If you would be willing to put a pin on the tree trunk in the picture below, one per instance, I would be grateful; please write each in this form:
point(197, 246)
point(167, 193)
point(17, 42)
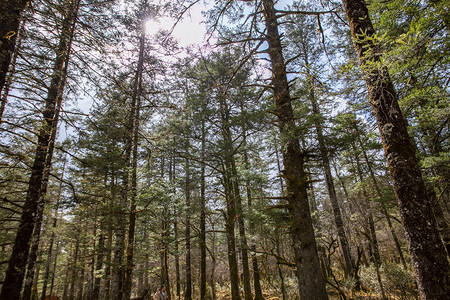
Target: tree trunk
point(9, 26)
point(188, 291)
point(242, 235)
point(16, 267)
point(349, 270)
point(137, 90)
point(74, 276)
point(52, 237)
point(109, 244)
point(203, 209)
point(98, 266)
point(379, 194)
point(427, 251)
point(311, 283)
point(119, 271)
point(375, 253)
point(230, 195)
point(12, 70)
point(256, 275)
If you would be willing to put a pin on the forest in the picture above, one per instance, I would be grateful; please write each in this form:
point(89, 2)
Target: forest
point(299, 151)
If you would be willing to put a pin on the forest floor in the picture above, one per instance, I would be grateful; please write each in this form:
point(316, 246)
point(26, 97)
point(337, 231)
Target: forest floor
point(274, 295)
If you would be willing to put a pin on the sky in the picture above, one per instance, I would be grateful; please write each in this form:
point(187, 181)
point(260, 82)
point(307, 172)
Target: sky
point(190, 30)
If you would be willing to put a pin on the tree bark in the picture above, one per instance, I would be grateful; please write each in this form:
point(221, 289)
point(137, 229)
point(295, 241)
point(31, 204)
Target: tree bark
point(311, 283)
point(427, 251)
point(36, 190)
point(9, 26)
point(12, 70)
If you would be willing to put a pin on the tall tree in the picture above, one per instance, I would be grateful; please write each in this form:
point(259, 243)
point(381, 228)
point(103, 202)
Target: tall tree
point(311, 283)
point(427, 251)
point(16, 267)
point(9, 24)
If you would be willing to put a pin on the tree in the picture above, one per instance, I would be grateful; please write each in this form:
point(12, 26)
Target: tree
point(9, 24)
point(427, 251)
point(16, 267)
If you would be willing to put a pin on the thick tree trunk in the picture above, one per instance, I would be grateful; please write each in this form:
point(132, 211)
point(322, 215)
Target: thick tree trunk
point(36, 191)
point(311, 283)
point(427, 251)
point(11, 13)
point(12, 70)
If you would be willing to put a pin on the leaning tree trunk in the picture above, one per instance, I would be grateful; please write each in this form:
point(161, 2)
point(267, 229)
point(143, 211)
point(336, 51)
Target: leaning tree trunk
point(16, 267)
point(427, 251)
point(11, 13)
point(311, 283)
point(48, 164)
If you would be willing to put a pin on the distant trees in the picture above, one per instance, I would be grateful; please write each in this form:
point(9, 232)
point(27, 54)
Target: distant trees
point(246, 171)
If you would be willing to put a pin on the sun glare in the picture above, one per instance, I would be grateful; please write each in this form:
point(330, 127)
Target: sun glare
point(152, 27)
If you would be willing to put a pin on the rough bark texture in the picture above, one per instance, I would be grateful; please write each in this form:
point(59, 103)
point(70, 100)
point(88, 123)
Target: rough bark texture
point(36, 190)
point(11, 12)
point(12, 70)
point(427, 251)
point(311, 283)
